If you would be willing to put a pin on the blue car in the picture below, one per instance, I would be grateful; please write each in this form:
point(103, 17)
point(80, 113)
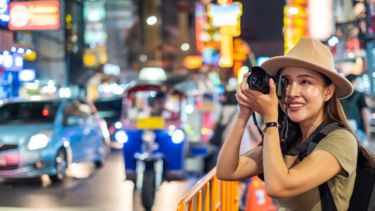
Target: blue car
point(46, 136)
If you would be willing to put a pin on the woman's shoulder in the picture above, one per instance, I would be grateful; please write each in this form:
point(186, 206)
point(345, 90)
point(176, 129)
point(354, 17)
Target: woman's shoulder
point(342, 134)
point(341, 140)
point(343, 145)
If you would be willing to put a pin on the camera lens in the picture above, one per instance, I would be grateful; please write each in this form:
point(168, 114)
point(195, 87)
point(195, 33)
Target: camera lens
point(258, 80)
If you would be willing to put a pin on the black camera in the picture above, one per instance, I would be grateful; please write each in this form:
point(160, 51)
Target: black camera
point(259, 80)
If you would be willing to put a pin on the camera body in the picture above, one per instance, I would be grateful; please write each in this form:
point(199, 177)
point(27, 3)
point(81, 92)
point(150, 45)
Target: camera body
point(259, 80)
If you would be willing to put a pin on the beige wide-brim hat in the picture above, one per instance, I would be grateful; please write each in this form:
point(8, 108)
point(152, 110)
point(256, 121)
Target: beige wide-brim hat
point(312, 54)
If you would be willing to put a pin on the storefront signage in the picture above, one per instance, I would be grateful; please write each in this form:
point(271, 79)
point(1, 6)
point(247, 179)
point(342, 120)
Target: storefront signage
point(34, 15)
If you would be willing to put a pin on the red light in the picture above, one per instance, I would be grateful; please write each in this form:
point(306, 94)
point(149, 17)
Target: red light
point(45, 112)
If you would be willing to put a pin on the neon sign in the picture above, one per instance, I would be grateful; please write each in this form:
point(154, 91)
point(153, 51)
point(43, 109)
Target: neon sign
point(35, 15)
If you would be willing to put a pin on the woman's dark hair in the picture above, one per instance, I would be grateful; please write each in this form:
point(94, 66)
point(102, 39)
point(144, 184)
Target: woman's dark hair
point(334, 112)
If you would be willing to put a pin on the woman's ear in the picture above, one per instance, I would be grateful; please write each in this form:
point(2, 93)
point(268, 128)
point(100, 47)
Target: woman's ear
point(329, 91)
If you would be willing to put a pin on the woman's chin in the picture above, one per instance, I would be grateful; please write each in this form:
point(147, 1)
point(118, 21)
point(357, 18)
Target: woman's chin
point(295, 118)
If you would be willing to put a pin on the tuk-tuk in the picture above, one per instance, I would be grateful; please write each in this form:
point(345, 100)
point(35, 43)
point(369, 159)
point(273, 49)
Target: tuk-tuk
point(153, 137)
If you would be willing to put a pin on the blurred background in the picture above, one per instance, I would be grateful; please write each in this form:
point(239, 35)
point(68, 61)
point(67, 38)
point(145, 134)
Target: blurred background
point(78, 64)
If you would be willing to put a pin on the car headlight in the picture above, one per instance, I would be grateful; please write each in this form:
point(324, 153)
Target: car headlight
point(178, 136)
point(38, 141)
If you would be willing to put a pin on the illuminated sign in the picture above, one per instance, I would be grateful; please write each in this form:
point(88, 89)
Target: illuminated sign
point(200, 20)
point(34, 15)
point(4, 13)
point(225, 15)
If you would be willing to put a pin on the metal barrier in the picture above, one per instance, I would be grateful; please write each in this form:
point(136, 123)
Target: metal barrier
point(212, 194)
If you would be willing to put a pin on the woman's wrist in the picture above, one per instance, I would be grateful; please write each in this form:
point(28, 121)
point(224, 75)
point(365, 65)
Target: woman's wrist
point(270, 119)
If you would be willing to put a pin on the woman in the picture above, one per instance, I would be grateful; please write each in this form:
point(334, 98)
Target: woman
point(312, 99)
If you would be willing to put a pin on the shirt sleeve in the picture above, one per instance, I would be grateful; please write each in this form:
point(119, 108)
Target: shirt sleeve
point(344, 147)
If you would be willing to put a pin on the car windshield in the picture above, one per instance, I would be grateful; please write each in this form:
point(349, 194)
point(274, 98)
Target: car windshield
point(109, 109)
point(26, 112)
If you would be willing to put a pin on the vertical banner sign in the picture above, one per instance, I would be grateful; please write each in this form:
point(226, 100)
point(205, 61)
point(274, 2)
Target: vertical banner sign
point(227, 17)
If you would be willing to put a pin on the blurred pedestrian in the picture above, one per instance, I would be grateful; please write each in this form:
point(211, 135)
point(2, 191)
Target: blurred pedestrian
point(357, 112)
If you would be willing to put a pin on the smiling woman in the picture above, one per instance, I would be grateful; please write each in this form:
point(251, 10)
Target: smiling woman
point(294, 169)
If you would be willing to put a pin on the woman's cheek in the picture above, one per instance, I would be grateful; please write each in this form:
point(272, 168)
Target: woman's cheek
point(312, 91)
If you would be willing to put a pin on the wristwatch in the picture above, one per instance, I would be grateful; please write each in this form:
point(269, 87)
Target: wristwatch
point(270, 124)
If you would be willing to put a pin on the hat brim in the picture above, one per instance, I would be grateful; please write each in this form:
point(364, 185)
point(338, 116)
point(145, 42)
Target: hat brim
point(343, 87)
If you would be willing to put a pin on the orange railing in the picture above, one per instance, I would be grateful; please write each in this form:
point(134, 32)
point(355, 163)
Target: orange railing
point(211, 194)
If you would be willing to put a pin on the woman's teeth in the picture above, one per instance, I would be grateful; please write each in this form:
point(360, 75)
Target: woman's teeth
point(295, 105)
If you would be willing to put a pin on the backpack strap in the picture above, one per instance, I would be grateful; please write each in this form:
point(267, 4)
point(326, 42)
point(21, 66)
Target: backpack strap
point(326, 199)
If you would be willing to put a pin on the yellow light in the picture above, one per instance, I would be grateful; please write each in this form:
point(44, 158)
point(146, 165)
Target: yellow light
point(30, 56)
point(205, 131)
point(90, 60)
point(193, 62)
point(226, 51)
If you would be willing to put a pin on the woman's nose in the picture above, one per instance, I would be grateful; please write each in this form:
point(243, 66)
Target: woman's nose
point(292, 89)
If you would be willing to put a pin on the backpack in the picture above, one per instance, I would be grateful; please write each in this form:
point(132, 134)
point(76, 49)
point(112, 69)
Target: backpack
point(363, 196)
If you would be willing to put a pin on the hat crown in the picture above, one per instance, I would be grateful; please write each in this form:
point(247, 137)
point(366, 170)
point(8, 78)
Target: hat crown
point(314, 52)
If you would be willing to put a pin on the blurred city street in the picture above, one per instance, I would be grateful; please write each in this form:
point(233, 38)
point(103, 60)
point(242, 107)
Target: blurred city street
point(102, 190)
point(96, 91)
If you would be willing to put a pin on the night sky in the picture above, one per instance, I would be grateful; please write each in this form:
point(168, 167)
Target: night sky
point(261, 26)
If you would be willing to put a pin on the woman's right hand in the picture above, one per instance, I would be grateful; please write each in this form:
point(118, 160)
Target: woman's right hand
point(243, 97)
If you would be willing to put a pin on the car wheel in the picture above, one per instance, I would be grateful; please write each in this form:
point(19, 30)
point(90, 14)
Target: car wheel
point(61, 165)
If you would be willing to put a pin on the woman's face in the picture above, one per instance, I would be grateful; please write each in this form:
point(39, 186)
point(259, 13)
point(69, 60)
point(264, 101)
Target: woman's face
point(306, 94)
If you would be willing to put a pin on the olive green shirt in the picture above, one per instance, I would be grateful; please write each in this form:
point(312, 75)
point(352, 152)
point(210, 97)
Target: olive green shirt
point(343, 146)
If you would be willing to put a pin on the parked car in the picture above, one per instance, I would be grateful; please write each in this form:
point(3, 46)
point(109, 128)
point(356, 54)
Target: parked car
point(111, 109)
point(46, 136)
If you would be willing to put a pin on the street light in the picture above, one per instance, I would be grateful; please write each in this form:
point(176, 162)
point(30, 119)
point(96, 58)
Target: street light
point(151, 20)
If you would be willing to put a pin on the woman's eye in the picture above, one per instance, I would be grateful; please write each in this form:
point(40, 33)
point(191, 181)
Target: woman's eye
point(305, 82)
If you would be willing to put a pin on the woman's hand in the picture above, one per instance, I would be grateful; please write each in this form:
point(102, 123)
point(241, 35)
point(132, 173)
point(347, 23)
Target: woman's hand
point(264, 104)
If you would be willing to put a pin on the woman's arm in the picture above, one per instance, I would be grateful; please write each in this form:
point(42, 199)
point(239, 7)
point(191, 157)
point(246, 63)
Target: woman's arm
point(232, 166)
point(315, 169)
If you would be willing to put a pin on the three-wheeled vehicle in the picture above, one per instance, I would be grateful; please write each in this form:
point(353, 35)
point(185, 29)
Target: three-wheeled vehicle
point(153, 137)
